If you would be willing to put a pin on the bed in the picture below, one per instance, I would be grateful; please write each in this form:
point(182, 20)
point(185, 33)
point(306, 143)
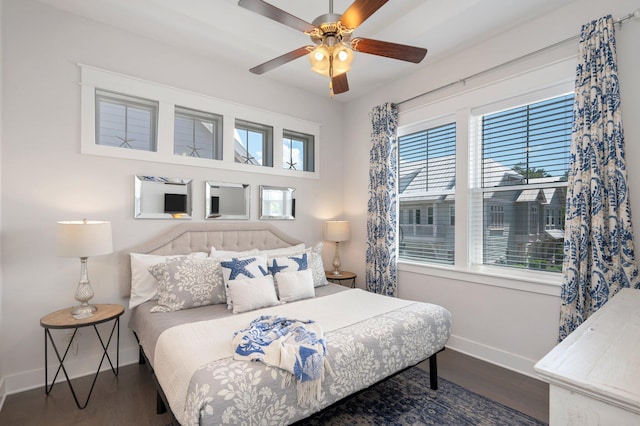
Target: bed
point(367, 337)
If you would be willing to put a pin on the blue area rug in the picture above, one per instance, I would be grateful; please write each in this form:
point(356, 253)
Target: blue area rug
point(405, 399)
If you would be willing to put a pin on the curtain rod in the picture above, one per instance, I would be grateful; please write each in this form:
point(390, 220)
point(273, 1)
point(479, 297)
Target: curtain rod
point(620, 21)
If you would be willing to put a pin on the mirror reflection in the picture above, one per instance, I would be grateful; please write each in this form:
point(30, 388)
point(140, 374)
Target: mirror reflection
point(277, 203)
point(162, 198)
point(226, 200)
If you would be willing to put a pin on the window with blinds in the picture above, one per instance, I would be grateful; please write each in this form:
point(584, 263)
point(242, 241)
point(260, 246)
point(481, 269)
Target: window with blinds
point(253, 143)
point(197, 134)
point(126, 121)
point(525, 163)
point(297, 151)
point(426, 187)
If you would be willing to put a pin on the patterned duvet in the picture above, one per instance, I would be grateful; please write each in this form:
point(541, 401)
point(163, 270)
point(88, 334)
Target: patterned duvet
point(369, 337)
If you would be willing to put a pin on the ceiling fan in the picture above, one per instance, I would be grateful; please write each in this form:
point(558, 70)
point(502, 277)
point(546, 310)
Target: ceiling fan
point(332, 53)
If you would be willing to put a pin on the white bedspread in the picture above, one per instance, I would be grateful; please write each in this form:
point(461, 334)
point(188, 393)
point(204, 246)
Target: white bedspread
point(181, 350)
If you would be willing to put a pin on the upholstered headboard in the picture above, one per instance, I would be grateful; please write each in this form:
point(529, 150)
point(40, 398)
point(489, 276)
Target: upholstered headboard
point(186, 238)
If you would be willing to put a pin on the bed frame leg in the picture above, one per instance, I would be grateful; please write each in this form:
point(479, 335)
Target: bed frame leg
point(433, 370)
point(160, 407)
point(141, 359)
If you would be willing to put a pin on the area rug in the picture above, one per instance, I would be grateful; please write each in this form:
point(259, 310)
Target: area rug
point(405, 399)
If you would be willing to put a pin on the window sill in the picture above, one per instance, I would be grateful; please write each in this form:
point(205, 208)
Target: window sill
point(534, 282)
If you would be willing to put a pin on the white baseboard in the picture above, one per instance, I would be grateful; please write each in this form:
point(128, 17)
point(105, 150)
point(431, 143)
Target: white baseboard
point(87, 366)
point(493, 355)
point(77, 367)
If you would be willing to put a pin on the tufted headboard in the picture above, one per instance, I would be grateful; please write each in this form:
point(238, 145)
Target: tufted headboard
point(186, 238)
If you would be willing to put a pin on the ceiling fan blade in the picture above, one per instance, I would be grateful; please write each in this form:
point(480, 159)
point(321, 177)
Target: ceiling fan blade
point(281, 60)
point(359, 11)
point(340, 83)
point(279, 15)
point(389, 50)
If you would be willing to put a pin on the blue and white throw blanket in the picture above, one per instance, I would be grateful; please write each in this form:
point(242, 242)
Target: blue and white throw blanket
point(292, 345)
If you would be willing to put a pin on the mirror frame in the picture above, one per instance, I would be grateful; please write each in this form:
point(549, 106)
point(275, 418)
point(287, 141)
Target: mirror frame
point(147, 182)
point(208, 214)
point(287, 203)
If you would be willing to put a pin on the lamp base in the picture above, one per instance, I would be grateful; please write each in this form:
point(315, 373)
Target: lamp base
point(336, 272)
point(84, 310)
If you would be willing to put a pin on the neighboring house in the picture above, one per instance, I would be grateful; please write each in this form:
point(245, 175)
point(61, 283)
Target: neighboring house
point(522, 227)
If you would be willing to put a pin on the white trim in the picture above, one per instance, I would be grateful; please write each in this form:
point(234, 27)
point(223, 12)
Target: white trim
point(81, 367)
point(539, 282)
point(494, 356)
point(167, 97)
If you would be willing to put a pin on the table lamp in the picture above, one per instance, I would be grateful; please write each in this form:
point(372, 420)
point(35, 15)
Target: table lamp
point(82, 239)
point(336, 231)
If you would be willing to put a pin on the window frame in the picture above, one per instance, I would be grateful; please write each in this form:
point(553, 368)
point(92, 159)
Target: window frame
point(128, 102)
point(168, 97)
point(308, 141)
point(500, 90)
point(429, 216)
point(196, 115)
point(267, 141)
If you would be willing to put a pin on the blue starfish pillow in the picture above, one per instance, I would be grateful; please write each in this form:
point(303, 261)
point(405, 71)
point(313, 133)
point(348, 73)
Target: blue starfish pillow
point(290, 263)
point(242, 268)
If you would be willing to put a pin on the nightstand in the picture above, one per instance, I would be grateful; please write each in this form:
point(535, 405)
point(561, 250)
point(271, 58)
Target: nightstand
point(344, 276)
point(63, 319)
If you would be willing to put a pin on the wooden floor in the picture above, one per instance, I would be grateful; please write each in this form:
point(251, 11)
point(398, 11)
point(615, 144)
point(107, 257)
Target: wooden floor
point(130, 399)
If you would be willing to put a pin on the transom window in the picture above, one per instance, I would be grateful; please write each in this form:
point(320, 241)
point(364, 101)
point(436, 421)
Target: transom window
point(126, 121)
point(197, 134)
point(253, 143)
point(297, 151)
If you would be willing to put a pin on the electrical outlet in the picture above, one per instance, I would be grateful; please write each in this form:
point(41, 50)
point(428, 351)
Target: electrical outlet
point(73, 345)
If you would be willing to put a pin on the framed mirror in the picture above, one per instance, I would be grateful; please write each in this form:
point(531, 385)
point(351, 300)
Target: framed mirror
point(162, 198)
point(277, 203)
point(226, 200)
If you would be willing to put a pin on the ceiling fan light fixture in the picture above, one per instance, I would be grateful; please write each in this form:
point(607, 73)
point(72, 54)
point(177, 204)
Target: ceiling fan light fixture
point(342, 58)
point(331, 60)
point(320, 60)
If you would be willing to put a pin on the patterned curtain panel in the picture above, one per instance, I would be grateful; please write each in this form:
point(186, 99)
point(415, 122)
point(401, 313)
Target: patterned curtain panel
point(599, 256)
point(381, 272)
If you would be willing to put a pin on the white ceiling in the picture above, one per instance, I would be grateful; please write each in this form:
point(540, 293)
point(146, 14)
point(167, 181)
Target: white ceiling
point(224, 30)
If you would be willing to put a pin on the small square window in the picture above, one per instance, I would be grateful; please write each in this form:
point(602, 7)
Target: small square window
point(253, 143)
point(197, 134)
point(297, 151)
point(126, 121)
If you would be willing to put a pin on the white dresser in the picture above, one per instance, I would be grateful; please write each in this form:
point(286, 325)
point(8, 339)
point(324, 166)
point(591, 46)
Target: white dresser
point(594, 374)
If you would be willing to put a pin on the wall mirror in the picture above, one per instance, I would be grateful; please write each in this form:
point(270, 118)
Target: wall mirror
point(226, 200)
point(277, 203)
point(162, 198)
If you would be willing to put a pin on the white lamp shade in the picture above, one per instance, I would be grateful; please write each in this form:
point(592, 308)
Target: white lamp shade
point(336, 230)
point(83, 238)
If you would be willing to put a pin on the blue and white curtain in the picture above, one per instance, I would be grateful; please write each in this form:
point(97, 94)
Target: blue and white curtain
point(381, 272)
point(599, 255)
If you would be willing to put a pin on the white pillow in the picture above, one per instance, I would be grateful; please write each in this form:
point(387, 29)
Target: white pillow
point(252, 293)
point(143, 286)
point(234, 268)
point(295, 285)
point(283, 251)
point(230, 253)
